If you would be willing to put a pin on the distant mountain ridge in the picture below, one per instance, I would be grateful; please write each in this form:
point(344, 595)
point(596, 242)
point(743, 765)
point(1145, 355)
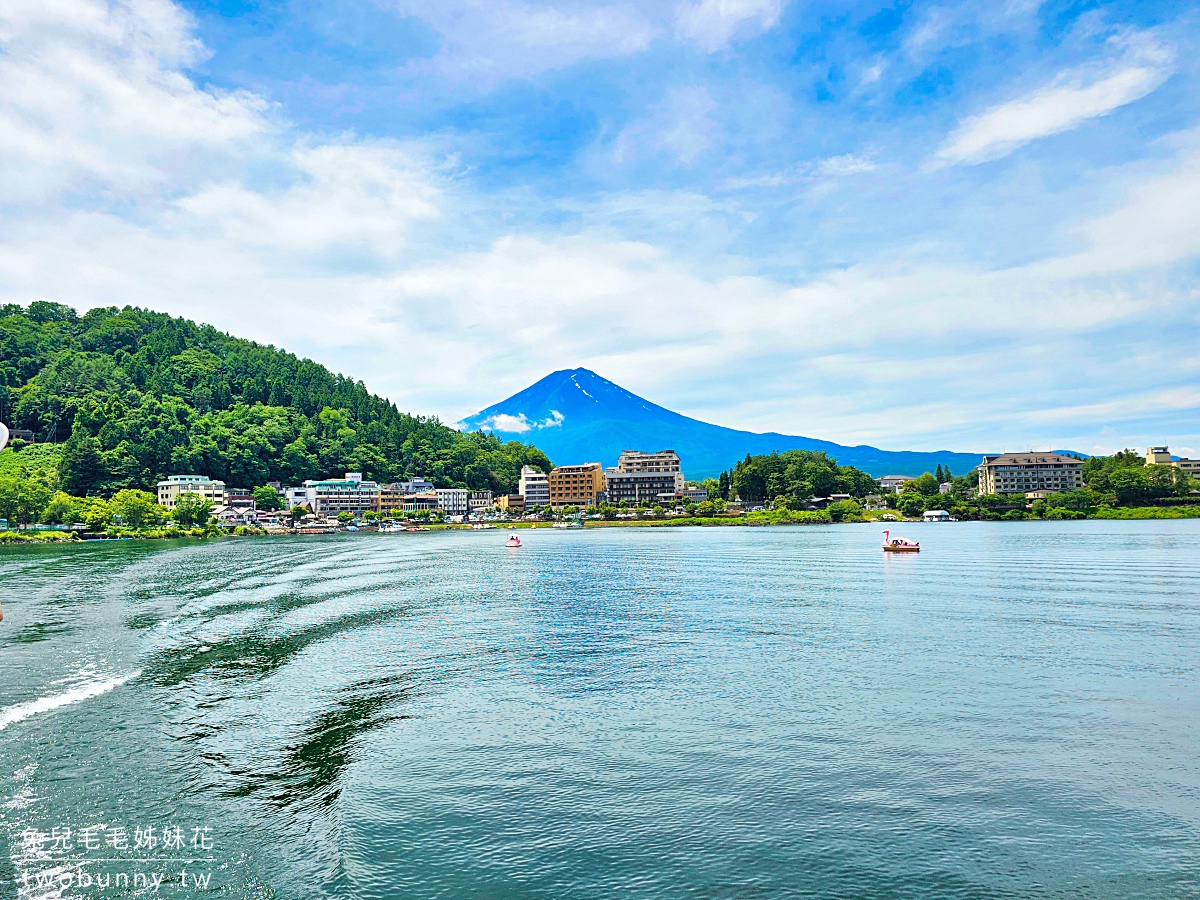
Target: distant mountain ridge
point(575, 416)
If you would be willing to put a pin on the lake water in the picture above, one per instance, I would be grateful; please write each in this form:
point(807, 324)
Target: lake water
point(708, 713)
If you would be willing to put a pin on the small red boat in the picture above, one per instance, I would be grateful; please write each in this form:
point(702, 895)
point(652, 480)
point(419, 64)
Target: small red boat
point(513, 541)
point(899, 544)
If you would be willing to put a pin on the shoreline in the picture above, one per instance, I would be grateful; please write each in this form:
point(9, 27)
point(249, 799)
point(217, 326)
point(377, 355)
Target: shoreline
point(750, 520)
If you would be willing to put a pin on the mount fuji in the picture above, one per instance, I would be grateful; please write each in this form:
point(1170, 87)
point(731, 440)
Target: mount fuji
point(576, 416)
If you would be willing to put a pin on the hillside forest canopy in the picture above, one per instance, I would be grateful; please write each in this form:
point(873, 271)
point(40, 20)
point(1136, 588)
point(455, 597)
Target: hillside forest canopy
point(133, 396)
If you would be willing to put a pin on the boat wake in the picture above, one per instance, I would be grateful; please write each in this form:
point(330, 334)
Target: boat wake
point(82, 691)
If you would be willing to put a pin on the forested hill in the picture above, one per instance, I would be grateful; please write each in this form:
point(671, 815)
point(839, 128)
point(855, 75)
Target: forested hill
point(134, 395)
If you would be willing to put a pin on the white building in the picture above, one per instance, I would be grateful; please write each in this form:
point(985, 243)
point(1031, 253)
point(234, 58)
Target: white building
point(936, 515)
point(294, 496)
point(894, 482)
point(480, 500)
point(534, 486)
point(350, 494)
point(453, 501)
point(175, 485)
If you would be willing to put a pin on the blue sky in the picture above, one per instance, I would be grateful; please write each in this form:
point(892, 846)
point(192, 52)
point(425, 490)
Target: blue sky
point(969, 226)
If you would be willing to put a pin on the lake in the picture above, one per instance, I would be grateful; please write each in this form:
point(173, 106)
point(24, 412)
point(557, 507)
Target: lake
point(635, 712)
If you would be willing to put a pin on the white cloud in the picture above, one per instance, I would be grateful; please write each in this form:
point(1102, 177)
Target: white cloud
point(683, 126)
point(520, 424)
point(487, 42)
point(504, 422)
point(711, 24)
point(343, 195)
point(1067, 102)
point(94, 96)
point(1157, 224)
point(829, 169)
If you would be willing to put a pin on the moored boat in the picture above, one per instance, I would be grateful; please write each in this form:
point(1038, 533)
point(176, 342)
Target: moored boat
point(899, 544)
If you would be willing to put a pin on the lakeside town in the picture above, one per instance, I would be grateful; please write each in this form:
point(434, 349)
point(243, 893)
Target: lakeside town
point(643, 488)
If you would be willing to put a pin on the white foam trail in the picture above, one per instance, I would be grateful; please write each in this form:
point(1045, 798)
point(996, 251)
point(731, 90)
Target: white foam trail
point(83, 691)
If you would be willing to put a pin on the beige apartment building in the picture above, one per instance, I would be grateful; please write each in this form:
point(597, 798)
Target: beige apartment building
point(513, 504)
point(1161, 456)
point(1020, 473)
point(170, 490)
point(576, 485)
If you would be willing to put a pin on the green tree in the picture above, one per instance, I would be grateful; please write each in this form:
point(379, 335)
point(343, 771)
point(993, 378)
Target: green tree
point(63, 509)
point(911, 503)
point(267, 498)
point(723, 486)
point(345, 517)
point(137, 509)
point(22, 500)
point(844, 511)
point(192, 509)
point(298, 512)
point(82, 469)
point(706, 508)
point(927, 484)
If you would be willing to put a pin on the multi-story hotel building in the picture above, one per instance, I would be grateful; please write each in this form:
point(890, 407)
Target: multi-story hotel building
point(1018, 473)
point(638, 487)
point(350, 494)
point(453, 501)
point(576, 485)
point(534, 486)
point(175, 485)
point(1161, 456)
point(664, 462)
point(645, 477)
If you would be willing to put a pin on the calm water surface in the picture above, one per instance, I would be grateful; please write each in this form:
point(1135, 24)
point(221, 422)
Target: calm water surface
point(609, 713)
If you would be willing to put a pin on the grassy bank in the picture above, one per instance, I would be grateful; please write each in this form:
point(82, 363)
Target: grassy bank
point(35, 537)
point(1147, 512)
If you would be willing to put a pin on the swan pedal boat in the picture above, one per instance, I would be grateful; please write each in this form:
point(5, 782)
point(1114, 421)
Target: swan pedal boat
point(513, 541)
point(899, 544)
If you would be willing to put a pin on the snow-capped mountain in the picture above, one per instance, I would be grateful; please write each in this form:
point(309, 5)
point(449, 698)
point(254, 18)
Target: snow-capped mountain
point(576, 416)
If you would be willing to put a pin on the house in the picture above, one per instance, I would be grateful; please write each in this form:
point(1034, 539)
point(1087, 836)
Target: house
point(231, 517)
point(823, 502)
point(890, 483)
